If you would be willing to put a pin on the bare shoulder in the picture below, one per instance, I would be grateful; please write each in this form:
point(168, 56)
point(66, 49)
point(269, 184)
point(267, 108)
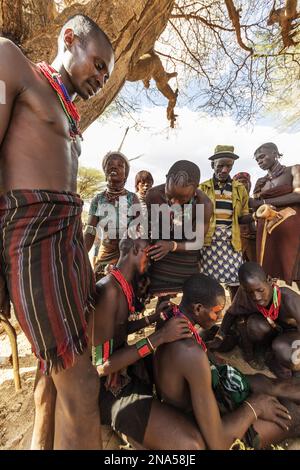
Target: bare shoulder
point(188, 354)
point(202, 198)
point(291, 301)
point(155, 194)
point(13, 65)
point(10, 52)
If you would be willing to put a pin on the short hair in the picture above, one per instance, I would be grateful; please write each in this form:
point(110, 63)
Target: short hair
point(201, 289)
point(84, 27)
point(271, 146)
point(251, 270)
point(126, 244)
point(184, 173)
point(142, 176)
point(116, 154)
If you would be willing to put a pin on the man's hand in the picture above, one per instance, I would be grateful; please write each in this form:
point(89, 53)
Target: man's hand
point(4, 299)
point(270, 409)
point(255, 203)
point(175, 329)
point(160, 250)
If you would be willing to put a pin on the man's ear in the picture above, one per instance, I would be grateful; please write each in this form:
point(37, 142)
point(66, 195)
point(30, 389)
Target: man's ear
point(135, 249)
point(69, 37)
point(269, 279)
point(212, 165)
point(197, 308)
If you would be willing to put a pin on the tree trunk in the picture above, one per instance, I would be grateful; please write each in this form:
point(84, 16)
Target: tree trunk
point(133, 26)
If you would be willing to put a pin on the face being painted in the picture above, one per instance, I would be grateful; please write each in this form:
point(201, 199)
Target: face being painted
point(142, 258)
point(206, 316)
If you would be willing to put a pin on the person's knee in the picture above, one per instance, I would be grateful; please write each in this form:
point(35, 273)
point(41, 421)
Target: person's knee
point(194, 441)
point(282, 351)
point(258, 330)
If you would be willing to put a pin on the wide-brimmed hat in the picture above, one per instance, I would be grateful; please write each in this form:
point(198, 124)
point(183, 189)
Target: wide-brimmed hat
point(226, 151)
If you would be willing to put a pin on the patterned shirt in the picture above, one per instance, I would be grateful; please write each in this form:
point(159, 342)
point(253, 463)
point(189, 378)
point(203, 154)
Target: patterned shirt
point(224, 207)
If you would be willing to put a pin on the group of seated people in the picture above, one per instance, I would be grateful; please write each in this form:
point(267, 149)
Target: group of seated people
point(168, 390)
point(202, 402)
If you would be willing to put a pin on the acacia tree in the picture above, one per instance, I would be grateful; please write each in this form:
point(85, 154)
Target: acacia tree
point(226, 53)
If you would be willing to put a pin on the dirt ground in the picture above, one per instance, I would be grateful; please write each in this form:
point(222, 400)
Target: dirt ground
point(17, 408)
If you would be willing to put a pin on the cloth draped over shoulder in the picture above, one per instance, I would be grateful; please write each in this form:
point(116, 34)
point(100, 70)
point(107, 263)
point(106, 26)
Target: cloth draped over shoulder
point(47, 271)
point(282, 249)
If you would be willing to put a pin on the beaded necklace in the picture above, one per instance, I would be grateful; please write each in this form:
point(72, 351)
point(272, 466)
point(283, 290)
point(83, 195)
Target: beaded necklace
point(272, 312)
point(55, 80)
point(176, 312)
point(126, 288)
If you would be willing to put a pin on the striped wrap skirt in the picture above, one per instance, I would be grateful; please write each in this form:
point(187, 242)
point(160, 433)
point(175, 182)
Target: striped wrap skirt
point(47, 271)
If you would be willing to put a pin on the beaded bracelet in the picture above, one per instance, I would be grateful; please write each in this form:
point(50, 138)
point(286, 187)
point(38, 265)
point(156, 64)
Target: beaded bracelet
point(143, 348)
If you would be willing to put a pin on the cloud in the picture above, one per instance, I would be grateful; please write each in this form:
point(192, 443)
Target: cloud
point(194, 139)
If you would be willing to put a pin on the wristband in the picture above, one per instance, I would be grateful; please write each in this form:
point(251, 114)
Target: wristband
point(143, 348)
point(150, 344)
point(249, 404)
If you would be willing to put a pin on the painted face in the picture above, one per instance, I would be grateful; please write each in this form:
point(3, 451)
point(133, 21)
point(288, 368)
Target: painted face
point(144, 186)
point(265, 158)
point(179, 194)
point(143, 259)
point(223, 167)
point(115, 170)
point(208, 316)
point(89, 65)
point(260, 292)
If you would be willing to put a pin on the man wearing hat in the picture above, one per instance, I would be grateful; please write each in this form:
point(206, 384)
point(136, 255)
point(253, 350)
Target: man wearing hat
point(221, 255)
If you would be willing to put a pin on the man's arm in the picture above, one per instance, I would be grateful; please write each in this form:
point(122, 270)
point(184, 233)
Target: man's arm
point(218, 432)
point(10, 87)
point(104, 331)
point(245, 217)
point(10, 77)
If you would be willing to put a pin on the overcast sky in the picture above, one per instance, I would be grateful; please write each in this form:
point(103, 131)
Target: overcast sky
point(193, 139)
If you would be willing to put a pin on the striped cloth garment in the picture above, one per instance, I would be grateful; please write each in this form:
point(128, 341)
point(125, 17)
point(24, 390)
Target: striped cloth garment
point(224, 207)
point(47, 271)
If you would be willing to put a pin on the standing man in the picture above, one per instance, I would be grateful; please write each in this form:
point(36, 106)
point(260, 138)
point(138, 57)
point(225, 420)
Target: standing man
point(43, 260)
point(222, 251)
point(279, 188)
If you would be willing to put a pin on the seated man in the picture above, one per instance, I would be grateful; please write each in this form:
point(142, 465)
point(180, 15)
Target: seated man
point(272, 319)
point(225, 404)
point(126, 393)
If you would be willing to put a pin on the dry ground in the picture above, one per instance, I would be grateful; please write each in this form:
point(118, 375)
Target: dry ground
point(17, 409)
